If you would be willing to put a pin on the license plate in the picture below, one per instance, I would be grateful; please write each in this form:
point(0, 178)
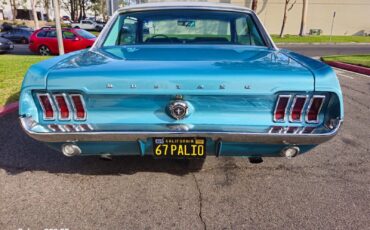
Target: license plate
point(179, 147)
point(11, 46)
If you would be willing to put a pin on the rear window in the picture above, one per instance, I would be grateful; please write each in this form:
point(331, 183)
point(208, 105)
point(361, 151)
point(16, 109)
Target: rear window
point(184, 27)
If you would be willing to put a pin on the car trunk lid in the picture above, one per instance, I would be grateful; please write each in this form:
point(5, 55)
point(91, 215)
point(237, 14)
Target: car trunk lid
point(186, 69)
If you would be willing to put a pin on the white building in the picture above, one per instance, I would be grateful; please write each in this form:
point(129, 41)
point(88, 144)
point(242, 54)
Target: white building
point(24, 11)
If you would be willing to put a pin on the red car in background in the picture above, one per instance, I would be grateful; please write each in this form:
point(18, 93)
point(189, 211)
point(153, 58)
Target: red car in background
point(44, 41)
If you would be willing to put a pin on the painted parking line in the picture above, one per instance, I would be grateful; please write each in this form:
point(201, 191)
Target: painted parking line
point(345, 72)
point(340, 73)
point(343, 75)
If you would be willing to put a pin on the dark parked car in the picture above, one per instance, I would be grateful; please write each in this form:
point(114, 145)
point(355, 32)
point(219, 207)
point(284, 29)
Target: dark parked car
point(19, 35)
point(5, 45)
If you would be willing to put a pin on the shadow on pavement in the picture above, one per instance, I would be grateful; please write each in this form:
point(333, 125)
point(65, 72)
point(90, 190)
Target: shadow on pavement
point(19, 153)
point(12, 98)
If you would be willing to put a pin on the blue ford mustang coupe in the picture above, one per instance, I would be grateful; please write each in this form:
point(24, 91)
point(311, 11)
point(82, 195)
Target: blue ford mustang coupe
point(182, 80)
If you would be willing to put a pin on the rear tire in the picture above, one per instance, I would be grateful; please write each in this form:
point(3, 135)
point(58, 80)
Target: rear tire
point(44, 50)
point(98, 28)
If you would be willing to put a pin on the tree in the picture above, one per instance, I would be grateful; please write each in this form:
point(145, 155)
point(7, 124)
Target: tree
point(13, 5)
point(254, 5)
point(46, 4)
point(302, 31)
point(287, 8)
point(34, 14)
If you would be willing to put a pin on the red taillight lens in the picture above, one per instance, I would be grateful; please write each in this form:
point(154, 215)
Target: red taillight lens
point(314, 108)
point(297, 108)
point(78, 106)
point(64, 111)
point(47, 106)
point(280, 109)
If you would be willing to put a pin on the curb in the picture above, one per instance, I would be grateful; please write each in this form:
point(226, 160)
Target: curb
point(12, 107)
point(350, 67)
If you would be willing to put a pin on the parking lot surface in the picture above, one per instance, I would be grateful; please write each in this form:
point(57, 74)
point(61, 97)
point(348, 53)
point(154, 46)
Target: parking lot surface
point(327, 188)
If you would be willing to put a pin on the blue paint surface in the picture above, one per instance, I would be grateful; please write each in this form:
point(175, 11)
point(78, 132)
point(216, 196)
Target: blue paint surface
point(228, 87)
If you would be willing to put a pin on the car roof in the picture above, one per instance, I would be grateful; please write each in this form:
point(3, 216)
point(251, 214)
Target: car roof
point(182, 5)
point(49, 28)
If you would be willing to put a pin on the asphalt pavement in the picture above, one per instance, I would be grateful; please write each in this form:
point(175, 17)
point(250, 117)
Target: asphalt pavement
point(327, 188)
point(313, 50)
point(319, 50)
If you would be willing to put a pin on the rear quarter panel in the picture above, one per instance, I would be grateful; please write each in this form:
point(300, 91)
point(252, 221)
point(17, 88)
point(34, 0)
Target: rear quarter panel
point(325, 77)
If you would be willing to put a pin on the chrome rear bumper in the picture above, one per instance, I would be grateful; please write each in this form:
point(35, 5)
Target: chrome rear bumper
point(225, 136)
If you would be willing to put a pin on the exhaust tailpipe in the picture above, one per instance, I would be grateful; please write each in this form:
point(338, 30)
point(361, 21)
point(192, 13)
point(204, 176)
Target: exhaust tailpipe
point(290, 151)
point(71, 150)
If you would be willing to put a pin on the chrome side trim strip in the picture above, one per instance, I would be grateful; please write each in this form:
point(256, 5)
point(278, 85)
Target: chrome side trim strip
point(225, 136)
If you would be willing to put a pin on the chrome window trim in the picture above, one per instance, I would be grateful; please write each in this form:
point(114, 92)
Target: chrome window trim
point(68, 106)
point(292, 106)
point(318, 113)
point(286, 108)
point(181, 6)
point(42, 106)
point(74, 108)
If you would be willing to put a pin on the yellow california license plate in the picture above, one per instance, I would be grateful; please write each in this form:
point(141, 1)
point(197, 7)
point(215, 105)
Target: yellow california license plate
point(179, 147)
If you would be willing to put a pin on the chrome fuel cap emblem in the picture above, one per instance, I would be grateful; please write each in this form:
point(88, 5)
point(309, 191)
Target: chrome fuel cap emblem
point(178, 109)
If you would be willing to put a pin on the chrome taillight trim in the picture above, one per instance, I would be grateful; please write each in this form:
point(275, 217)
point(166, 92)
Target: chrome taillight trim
point(295, 129)
point(293, 104)
point(42, 106)
point(318, 112)
point(68, 106)
point(74, 107)
point(303, 130)
point(279, 129)
point(286, 107)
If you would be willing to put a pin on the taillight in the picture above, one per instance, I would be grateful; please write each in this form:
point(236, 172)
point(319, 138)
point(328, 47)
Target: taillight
point(314, 108)
point(297, 108)
point(276, 129)
point(281, 107)
point(292, 129)
point(308, 130)
point(63, 106)
point(78, 107)
point(47, 106)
